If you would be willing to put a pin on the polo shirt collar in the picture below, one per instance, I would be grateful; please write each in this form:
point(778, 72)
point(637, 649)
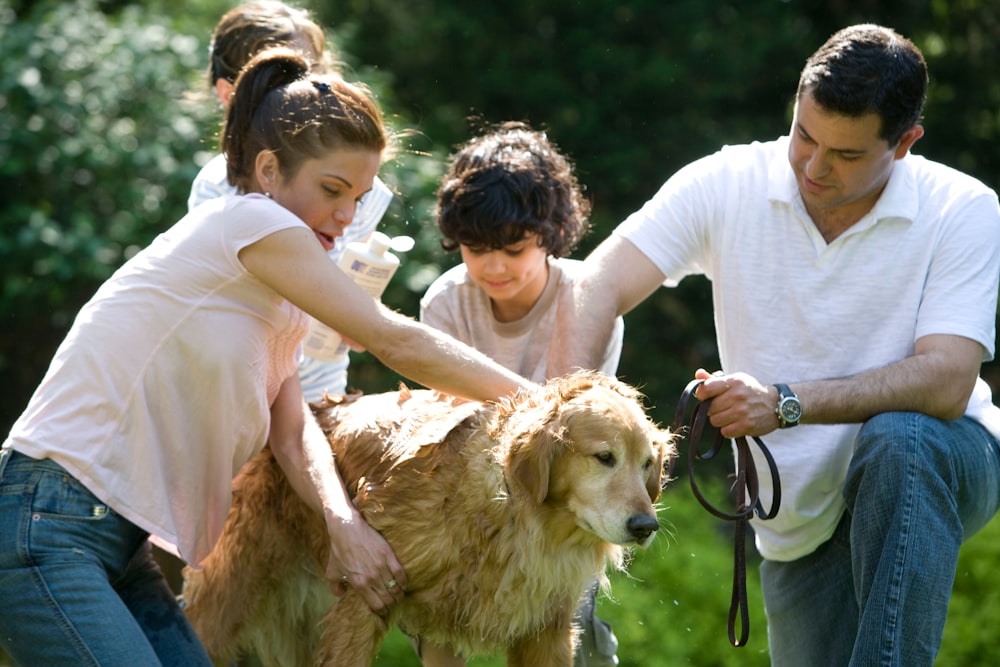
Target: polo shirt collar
point(899, 200)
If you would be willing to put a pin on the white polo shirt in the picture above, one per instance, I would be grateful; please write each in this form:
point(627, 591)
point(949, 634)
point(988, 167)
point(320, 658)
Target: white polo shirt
point(789, 307)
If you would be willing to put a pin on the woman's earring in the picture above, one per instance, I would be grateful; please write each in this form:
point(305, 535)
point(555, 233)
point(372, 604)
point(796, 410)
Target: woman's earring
point(267, 194)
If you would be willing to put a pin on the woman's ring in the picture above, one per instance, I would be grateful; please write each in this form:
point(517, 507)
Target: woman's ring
point(391, 584)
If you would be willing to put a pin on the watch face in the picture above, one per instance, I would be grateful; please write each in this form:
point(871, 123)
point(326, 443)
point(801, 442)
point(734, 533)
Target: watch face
point(791, 410)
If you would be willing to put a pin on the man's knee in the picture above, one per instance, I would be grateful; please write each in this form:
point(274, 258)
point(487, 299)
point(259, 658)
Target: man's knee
point(885, 446)
point(891, 443)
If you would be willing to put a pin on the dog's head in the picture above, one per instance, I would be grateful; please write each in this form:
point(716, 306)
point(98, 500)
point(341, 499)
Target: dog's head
point(583, 443)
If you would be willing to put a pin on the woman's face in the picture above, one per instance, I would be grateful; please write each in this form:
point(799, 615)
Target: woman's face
point(325, 192)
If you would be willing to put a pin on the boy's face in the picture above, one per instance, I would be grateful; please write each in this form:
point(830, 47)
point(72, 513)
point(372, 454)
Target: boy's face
point(514, 276)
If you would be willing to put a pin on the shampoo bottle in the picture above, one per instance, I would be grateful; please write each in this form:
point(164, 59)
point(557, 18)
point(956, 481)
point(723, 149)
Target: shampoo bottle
point(371, 266)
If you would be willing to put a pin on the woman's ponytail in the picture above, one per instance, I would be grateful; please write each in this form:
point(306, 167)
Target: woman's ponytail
point(249, 116)
point(279, 105)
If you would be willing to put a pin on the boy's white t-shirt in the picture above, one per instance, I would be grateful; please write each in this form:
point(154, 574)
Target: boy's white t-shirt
point(455, 304)
point(162, 389)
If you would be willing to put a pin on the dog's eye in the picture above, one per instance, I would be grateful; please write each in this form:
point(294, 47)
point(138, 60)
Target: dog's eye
point(606, 458)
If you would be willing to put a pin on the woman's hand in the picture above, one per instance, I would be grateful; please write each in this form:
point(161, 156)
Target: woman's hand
point(361, 559)
point(359, 556)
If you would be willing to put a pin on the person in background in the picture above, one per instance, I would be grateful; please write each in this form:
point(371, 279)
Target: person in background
point(855, 292)
point(241, 33)
point(511, 204)
point(183, 366)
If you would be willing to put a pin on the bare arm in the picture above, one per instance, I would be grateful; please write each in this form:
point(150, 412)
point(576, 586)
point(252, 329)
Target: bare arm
point(293, 264)
point(613, 280)
point(358, 553)
point(937, 380)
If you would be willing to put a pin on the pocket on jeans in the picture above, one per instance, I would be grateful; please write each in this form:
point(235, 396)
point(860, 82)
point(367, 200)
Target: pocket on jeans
point(60, 495)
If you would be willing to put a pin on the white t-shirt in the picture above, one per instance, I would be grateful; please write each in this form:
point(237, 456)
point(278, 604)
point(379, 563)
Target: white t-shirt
point(317, 376)
point(455, 304)
point(162, 389)
point(789, 307)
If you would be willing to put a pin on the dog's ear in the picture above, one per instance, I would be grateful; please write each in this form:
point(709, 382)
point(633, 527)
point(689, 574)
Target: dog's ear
point(654, 480)
point(530, 462)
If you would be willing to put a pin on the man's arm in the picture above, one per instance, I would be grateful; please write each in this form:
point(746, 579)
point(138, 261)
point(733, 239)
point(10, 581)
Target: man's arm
point(937, 380)
point(613, 280)
point(359, 555)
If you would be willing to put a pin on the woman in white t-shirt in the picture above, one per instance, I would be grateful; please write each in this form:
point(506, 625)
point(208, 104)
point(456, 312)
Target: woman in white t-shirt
point(183, 365)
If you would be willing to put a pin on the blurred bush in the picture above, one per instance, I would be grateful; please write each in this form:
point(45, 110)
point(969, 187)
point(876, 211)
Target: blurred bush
point(96, 157)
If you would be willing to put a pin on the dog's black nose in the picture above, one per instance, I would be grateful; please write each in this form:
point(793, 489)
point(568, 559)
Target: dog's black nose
point(641, 526)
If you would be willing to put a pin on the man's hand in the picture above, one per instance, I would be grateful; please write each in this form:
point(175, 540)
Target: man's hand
point(741, 406)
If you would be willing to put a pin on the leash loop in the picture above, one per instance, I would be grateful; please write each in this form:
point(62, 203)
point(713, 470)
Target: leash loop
point(747, 489)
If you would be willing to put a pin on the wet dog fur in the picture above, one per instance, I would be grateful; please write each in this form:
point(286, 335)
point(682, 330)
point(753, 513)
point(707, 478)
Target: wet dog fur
point(501, 514)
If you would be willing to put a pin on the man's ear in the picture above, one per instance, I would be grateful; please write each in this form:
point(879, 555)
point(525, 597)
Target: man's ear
point(266, 170)
point(907, 140)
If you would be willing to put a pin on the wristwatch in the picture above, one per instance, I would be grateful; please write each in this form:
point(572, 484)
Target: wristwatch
point(789, 409)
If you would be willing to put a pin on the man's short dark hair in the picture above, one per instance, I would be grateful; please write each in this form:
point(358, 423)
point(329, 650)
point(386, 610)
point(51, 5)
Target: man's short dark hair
point(866, 69)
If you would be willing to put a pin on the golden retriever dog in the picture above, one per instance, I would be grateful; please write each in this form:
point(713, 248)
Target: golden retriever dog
point(501, 513)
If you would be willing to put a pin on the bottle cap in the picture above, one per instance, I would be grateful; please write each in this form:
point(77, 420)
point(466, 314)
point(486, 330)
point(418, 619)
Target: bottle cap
point(402, 243)
point(378, 244)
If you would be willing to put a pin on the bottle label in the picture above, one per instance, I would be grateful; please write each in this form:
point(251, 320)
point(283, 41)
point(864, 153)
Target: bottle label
point(372, 279)
point(321, 342)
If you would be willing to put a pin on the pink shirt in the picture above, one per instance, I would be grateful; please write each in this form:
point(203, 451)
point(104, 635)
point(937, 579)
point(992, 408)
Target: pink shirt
point(162, 389)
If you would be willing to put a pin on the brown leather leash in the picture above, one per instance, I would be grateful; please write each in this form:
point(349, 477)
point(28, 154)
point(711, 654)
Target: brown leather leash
point(747, 489)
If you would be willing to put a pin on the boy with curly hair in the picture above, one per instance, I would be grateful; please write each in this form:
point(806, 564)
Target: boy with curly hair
point(511, 204)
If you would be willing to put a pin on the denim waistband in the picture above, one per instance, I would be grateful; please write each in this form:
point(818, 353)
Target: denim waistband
point(10, 458)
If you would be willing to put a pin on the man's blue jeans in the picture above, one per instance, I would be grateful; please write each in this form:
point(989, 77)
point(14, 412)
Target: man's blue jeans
point(79, 583)
point(877, 592)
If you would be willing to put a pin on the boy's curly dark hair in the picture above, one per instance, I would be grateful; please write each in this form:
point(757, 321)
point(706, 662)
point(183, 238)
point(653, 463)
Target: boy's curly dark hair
point(506, 183)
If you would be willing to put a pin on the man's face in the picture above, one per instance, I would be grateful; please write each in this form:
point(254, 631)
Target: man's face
point(840, 162)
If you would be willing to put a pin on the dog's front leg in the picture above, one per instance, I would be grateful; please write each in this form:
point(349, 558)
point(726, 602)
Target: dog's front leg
point(553, 647)
point(352, 633)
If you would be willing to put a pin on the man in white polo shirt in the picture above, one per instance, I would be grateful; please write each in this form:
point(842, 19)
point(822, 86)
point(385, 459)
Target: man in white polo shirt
point(855, 292)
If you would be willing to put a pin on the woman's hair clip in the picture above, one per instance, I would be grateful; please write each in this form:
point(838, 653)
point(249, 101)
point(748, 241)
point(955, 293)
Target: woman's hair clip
point(322, 86)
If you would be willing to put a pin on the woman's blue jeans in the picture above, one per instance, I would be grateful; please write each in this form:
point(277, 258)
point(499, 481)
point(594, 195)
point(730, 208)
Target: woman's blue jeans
point(877, 592)
point(79, 583)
